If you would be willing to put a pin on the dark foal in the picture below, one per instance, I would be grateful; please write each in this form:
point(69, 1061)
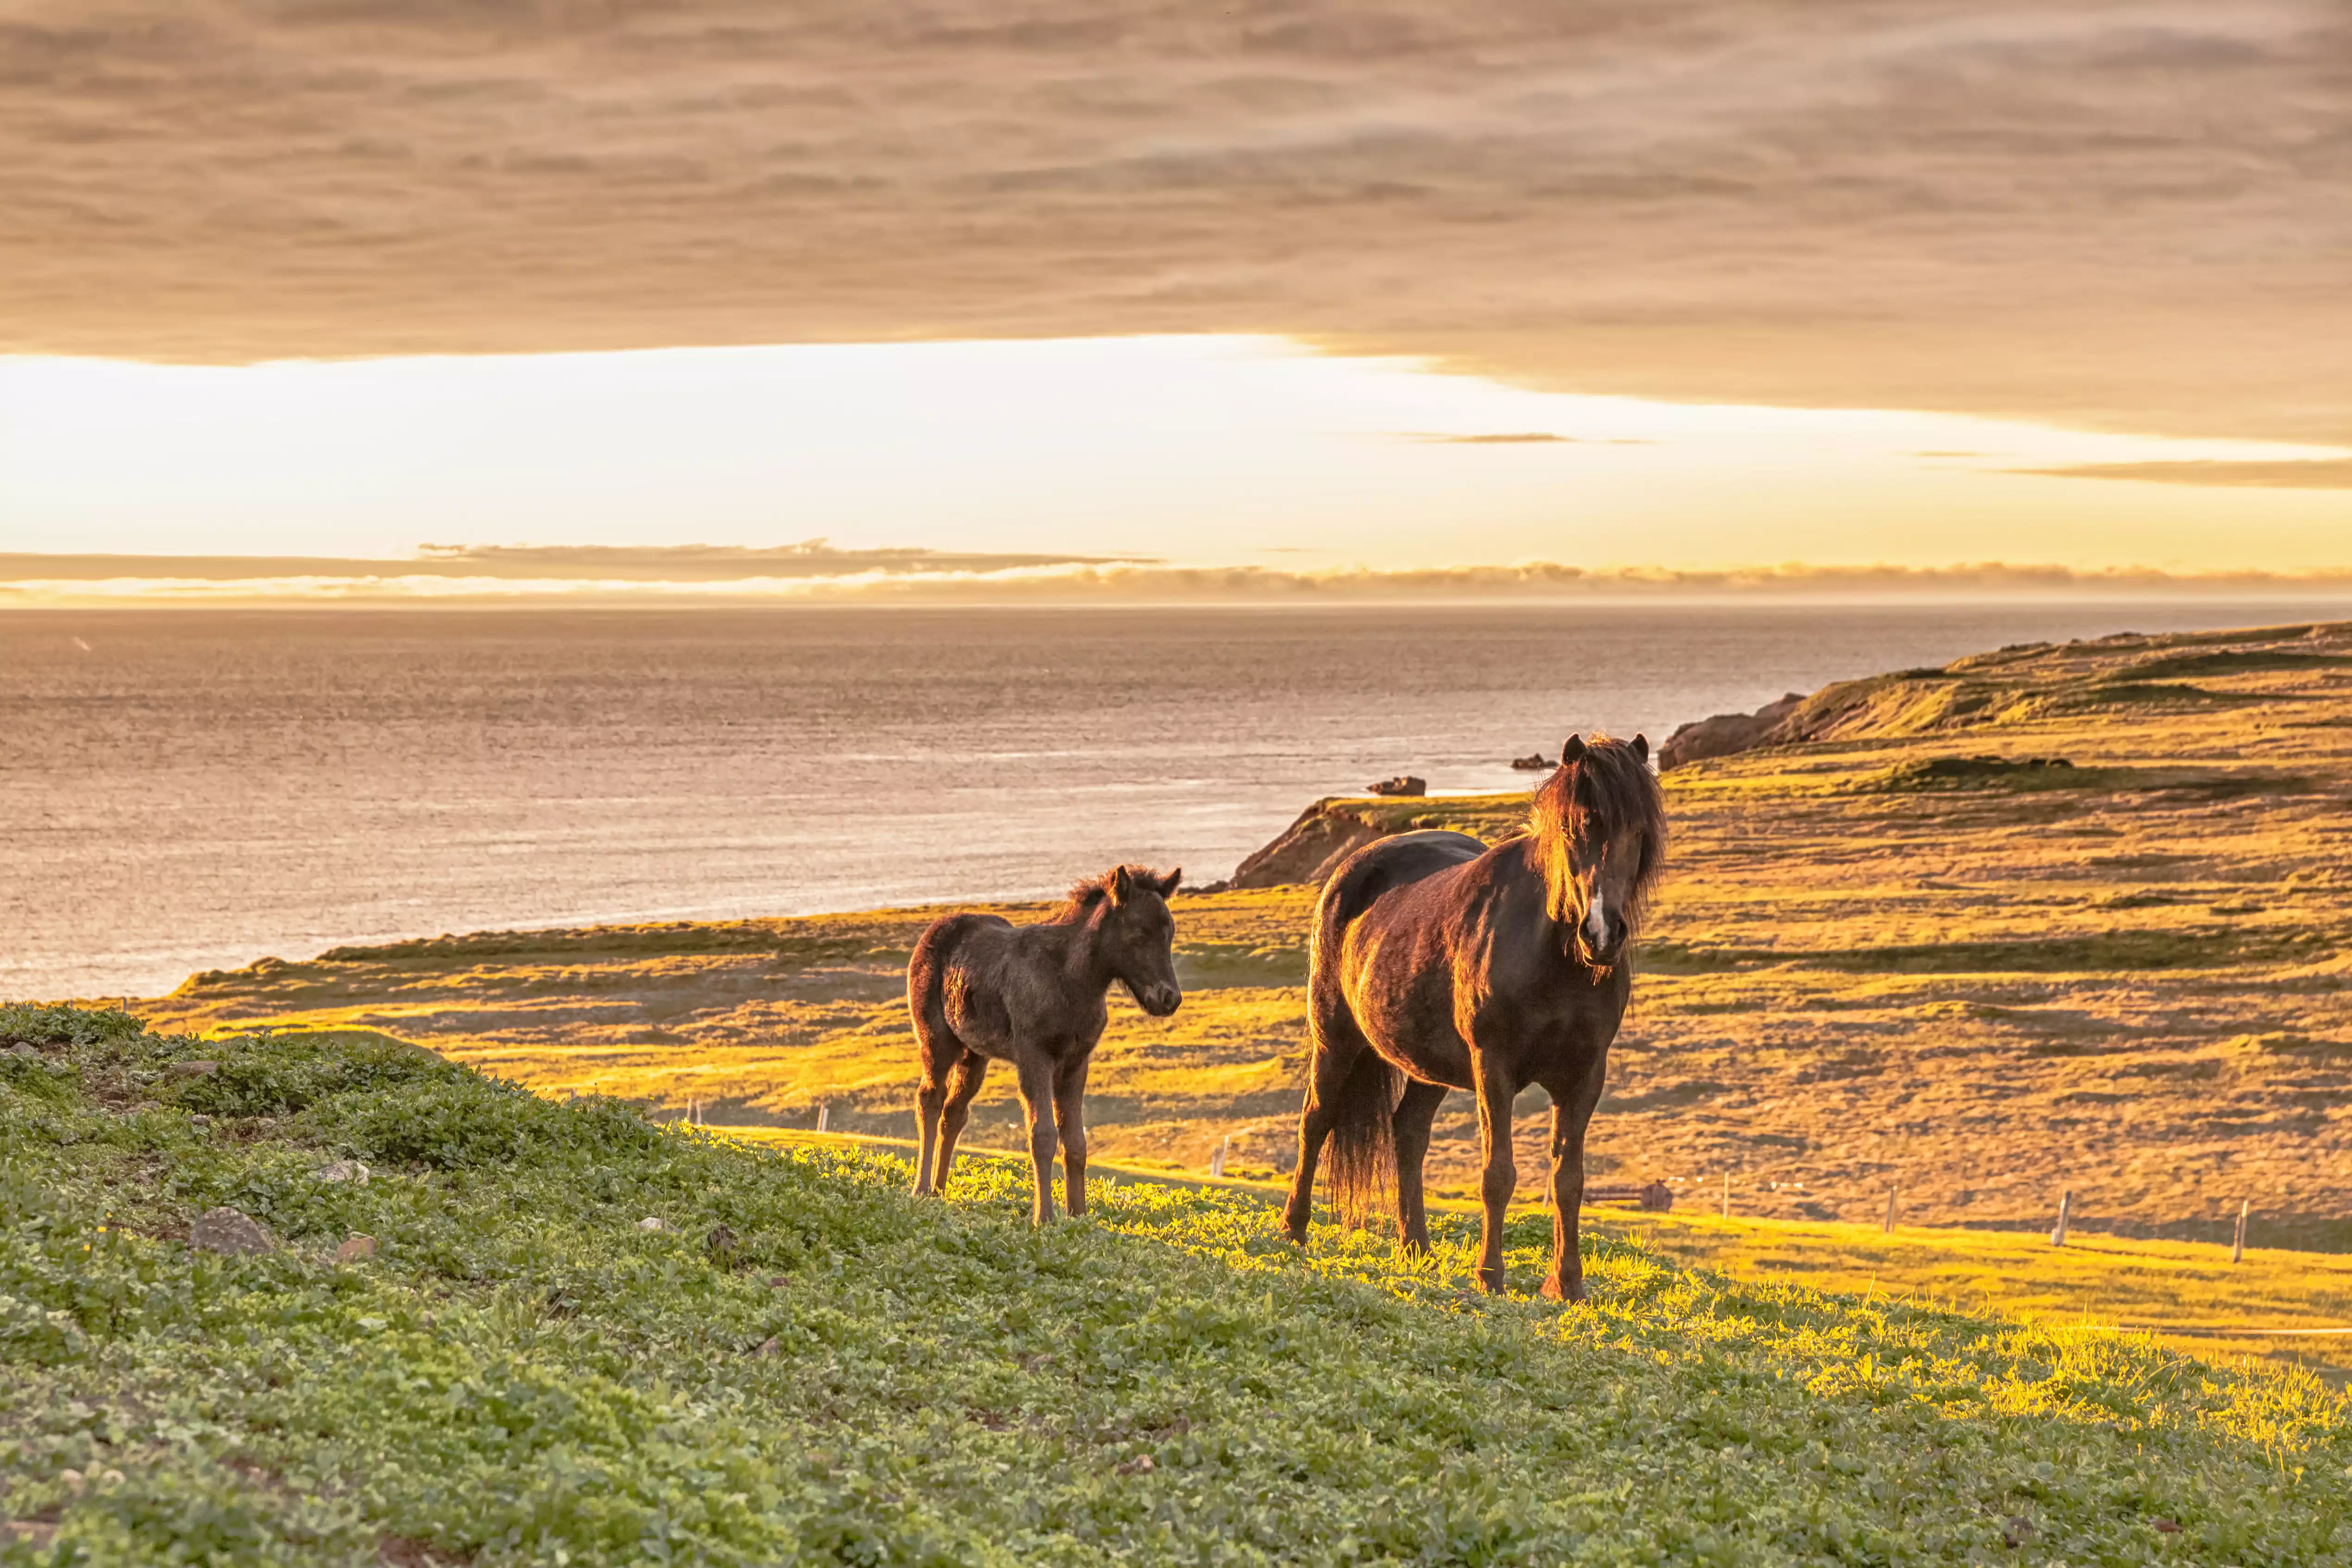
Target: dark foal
point(983, 989)
point(1440, 963)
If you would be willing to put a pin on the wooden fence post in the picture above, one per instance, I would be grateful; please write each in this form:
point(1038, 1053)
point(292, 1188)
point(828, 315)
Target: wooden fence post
point(2238, 1248)
point(2065, 1212)
point(1889, 1226)
point(1726, 1194)
point(821, 1115)
point(1217, 1160)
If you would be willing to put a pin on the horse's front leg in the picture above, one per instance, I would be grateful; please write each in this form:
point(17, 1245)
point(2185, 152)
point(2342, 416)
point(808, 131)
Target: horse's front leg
point(1037, 1077)
point(1572, 1101)
point(1069, 1109)
point(1495, 1091)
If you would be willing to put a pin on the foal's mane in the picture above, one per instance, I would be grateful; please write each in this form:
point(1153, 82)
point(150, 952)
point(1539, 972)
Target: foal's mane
point(1078, 907)
point(1606, 789)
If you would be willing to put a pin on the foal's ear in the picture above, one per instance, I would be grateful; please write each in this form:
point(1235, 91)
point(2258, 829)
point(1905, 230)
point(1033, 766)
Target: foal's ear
point(1121, 883)
point(1572, 750)
point(1166, 885)
point(1641, 746)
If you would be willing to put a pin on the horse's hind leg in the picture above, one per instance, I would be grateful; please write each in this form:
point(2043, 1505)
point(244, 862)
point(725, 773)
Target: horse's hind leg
point(1411, 1125)
point(1338, 1048)
point(969, 1072)
point(931, 1101)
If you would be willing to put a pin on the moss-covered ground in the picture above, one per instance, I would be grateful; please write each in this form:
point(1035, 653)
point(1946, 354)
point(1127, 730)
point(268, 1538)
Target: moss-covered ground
point(794, 1361)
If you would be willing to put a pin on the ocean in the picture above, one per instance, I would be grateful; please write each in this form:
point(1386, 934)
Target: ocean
point(196, 789)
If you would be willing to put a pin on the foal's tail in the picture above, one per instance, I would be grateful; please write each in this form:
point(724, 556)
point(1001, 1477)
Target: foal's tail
point(1363, 1139)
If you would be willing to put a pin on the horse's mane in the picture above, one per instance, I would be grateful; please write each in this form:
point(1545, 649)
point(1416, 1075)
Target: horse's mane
point(1607, 789)
point(1078, 907)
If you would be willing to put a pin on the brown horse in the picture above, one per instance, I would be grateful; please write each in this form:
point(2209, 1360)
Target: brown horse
point(983, 989)
point(1440, 963)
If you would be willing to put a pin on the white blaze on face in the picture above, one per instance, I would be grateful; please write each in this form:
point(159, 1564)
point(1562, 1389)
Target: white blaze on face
point(1596, 921)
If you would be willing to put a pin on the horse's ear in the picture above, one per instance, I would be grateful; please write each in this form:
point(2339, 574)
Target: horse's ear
point(1572, 750)
point(1641, 746)
point(1166, 885)
point(1121, 883)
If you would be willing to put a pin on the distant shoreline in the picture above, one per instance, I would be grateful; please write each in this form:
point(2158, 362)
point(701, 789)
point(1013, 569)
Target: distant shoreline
point(541, 576)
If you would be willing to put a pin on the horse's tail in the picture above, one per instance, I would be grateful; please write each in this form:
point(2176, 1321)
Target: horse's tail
point(926, 978)
point(1362, 1157)
point(1363, 1139)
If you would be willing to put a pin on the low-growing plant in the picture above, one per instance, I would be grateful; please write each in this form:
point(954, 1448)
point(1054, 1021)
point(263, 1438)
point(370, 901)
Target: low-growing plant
point(523, 1372)
point(279, 1075)
point(456, 1119)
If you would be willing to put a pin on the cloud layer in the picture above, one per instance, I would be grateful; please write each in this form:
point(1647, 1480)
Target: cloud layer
point(2129, 213)
point(2309, 473)
point(561, 574)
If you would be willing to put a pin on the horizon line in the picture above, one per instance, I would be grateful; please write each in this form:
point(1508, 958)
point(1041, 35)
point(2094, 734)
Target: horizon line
point(458, 576)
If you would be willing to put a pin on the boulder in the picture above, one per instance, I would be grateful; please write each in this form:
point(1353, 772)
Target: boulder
point(345, 1170)
point(231, 1233)
point(1726, 733)
point(355, 1248)
point(1309, 850)
point(1403, 784)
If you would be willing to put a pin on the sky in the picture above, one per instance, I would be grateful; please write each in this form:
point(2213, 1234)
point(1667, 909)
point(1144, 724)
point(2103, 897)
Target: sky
point(1237, 283)
point(1193, 450)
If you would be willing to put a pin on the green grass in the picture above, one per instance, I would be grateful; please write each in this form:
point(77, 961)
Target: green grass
point(804, 1363)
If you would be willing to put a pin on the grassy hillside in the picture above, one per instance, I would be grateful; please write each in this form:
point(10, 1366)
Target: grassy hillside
point(1906, 953)
point(795, 1361)
point(2291, 1307)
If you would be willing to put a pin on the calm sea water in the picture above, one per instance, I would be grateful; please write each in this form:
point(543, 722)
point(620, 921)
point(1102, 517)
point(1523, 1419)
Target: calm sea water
point(184, 789)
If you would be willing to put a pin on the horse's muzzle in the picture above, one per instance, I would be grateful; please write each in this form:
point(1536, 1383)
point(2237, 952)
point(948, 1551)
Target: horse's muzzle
point(1159, 1000)
point(1602, 955)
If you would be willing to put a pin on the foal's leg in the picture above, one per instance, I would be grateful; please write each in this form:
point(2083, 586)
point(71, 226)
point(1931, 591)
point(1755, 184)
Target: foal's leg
point(931, 1097)
point(968, 1075)
point(1037, 1105)
point(1502, 1177)
point(1410, 1128)
point(1572, 1100)
point(1069, 1109)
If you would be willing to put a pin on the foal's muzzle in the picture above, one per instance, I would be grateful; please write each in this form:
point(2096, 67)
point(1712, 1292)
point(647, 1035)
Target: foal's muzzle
point(1157, 1001)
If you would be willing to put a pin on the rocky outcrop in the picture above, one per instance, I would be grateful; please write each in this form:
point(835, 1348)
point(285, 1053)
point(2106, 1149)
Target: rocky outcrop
point(1310, 849)
point(1726, 733)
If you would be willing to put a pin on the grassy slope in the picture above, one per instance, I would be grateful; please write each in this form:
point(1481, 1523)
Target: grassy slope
point(524, 1374)
point(2129, 977)
point(2188, 1295)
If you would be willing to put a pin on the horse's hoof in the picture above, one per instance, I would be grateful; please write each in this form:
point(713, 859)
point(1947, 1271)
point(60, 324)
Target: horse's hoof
point(1491, 1281)
point(1573, 1293)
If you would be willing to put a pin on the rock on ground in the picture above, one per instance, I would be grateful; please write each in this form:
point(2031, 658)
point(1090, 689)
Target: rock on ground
point(226, 1230)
